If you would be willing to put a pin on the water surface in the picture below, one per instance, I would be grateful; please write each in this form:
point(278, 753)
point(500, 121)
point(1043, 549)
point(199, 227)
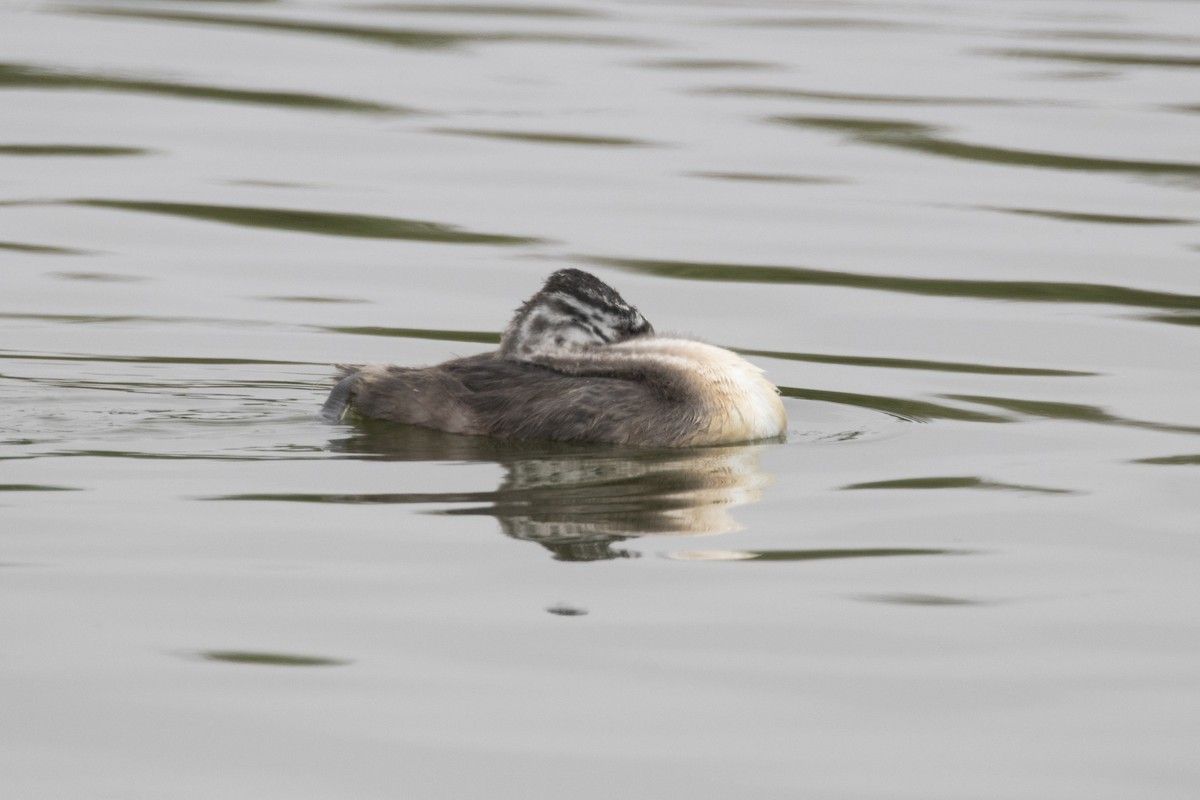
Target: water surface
point(962, 237)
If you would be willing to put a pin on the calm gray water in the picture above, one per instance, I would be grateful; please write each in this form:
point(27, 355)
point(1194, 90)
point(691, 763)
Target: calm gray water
point(962, 236)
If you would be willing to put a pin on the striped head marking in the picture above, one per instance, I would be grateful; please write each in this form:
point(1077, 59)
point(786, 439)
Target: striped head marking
point(574, 310)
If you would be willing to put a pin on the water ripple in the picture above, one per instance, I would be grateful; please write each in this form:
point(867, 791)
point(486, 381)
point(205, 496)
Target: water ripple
point(924, 600)
point(810, 555)
point(852, 97)
point(89, 150)
point(715, 64)
point(1022, 291)
point(1108, 36)
point(549, 12)
point(898, 407)
point(322, 223)
point(917, 364)
point(36, 487)
point(1112, 59)
point(44, 249)
point(25, 76)
point(396, 37)
point(109, 359)
point(1075, 412)
point(1190, 459)
point(925, 139)
point(1191, 320)
point(765, 177)
point(262, 659)
point(97, 277)
point(437, 334)
point(548, 138)
point(954, 482)
point(831, 23)
point(1099, 219)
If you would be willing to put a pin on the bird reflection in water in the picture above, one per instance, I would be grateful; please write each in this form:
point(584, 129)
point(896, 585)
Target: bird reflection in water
point(577, 501)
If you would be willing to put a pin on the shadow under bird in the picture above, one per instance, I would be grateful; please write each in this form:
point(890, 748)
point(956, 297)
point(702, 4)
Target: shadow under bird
point(576, 364)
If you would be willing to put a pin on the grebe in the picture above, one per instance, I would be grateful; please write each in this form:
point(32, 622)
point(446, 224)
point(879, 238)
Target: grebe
point(577, 364)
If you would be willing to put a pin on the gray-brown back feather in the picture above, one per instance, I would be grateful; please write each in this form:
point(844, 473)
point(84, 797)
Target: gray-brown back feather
point(496, 397)
point(525, 401)
point(429, 397)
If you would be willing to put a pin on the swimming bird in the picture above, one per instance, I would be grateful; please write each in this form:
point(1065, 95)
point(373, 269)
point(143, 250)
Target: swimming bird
point(577, 364)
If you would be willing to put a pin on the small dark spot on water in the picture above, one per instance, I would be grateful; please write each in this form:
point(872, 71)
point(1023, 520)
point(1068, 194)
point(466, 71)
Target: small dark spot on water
point(904, 599)
point(270, 659)
point(760, 177)
point(312, 299)
point(98, 277)
point(273, 184)
point(564, 610)
point(706, 64)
